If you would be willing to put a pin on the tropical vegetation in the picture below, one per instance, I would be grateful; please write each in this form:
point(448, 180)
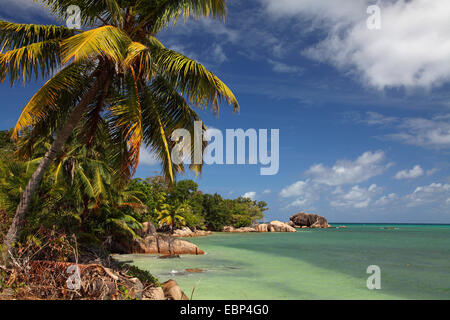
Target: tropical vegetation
point(112, 82)
point(80, 196)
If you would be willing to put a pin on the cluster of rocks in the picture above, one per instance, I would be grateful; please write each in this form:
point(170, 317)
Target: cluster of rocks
point(297, 221)
point(151, 242)
point(308, 220)
point(274, 226)
point(188, 233)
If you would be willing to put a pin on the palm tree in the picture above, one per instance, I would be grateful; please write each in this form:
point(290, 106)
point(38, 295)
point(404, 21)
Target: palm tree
point(173, 215)
point(114, 73)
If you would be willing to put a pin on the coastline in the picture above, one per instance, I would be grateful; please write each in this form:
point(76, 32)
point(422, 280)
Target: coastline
point(249, 260)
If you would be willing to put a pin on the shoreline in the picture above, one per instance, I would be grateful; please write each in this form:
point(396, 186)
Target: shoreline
point(239, 265)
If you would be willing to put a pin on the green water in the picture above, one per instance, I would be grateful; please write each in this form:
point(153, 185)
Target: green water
point(314, 264)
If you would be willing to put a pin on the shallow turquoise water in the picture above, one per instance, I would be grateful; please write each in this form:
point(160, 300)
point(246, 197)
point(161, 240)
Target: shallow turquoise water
point(314, 264)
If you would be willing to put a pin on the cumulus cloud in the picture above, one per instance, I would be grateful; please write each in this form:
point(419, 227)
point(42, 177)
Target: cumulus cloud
point(387, 200)
point(250, 195)
point(356, 197)
point(267, 191)
point(304, 192)
point(295, 189)
point(434, 193)
point(397, 55)
point(366, 166)
point(415, 172)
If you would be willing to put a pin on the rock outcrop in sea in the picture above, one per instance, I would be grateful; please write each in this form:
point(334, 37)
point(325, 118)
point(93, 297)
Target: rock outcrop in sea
point(308, 220)
point(274, 226)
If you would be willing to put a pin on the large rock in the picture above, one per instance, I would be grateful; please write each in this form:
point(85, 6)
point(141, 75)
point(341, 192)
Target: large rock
point(309, 220)
point(155, 294)
point(262, 228)
point(172, 291)
point(165, 245)
point(278, 226)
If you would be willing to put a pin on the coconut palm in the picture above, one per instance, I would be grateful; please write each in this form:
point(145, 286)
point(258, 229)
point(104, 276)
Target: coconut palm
point(174, 215)
point(114, 72)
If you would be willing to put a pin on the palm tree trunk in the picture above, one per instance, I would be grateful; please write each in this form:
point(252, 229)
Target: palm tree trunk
point(56, 147)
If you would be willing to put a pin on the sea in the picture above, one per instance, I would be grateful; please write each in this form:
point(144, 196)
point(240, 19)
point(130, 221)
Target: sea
point(361, 261)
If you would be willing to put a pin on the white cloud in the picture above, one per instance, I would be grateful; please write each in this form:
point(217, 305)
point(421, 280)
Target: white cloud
point(323, 9)
point(434, 193)
point(280, 67)
point(368, 165)
point(432, 171)
point(147, 158)
point(305, 193)
point(428, 133)
point(385, 200)
point(295, 189)
point(219, 55)
point(375, 118)
point(250, 195)
point(431, 132)
point(415, 172)
point(267, 191)
point(357, 197)
point(218, 29)
point(23, 10)
point(397, 55)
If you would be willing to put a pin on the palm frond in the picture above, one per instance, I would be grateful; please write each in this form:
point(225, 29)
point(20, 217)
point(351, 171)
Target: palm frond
point(106, 41)
point(92, 11)
point(127, 118)
point(156, 16)
point(68, 80)
point(200, 86)
point(177, 114)
point(41, 58)
point(17, 35)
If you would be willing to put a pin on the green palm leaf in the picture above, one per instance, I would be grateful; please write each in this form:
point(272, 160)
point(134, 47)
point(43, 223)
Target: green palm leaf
point(106, 41)
point(191, 79)
point(68, 80)
point(17, 35)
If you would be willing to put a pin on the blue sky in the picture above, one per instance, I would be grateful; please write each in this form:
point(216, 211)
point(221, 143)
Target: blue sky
point(364, 115)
